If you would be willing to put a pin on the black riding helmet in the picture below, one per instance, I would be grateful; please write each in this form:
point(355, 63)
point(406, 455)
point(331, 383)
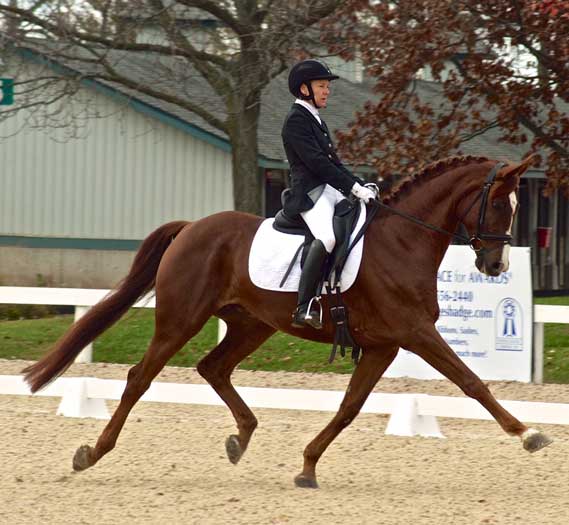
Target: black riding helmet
point(303, 73)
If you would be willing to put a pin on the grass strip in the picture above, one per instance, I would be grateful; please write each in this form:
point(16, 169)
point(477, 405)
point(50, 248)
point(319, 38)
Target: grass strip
point(127, 341)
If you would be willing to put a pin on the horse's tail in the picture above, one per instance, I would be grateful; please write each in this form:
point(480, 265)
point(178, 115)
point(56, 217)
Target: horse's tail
point(139, 281)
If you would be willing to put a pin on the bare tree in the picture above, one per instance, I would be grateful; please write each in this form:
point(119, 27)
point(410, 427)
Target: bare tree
point(229, 49)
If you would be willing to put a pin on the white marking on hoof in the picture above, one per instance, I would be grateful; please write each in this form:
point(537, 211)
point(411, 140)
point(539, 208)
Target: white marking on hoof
point(534, 440)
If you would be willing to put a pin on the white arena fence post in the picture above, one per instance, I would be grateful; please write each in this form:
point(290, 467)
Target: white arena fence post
point(86, 355)
point(544, 313)
point(538, 329)
point(221, 330)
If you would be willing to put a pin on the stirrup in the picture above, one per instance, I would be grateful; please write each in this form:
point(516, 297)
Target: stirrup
point(309, 318)
point(300, 318)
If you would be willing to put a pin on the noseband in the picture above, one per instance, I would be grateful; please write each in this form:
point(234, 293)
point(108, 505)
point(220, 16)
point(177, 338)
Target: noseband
point(475, 241)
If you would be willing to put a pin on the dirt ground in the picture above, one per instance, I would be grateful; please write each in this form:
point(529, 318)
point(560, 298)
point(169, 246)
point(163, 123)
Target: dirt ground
point(170, 466)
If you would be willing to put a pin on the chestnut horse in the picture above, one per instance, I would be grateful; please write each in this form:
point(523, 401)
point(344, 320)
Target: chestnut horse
point(200, 269)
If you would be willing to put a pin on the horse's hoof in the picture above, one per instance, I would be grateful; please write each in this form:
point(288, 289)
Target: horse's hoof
point(82, 458)
point(533, 440)
point(305, 482)
point(233, 448)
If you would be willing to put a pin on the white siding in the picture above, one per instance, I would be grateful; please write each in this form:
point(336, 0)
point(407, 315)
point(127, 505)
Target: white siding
point(128, 174)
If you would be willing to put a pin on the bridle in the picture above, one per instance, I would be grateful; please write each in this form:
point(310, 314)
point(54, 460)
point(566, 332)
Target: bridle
point(475, 241)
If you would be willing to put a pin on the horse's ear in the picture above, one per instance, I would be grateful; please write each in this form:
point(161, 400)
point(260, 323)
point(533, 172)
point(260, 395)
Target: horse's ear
point(516, 169)
point(509, 176)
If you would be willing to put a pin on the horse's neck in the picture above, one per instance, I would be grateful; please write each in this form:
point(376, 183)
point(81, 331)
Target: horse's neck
point(434, 202)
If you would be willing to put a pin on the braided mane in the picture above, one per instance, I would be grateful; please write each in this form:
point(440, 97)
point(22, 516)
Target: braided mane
point(430, 171)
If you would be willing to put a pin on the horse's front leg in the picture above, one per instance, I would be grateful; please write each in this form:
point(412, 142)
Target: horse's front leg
point(371, 367)
point(427, 343)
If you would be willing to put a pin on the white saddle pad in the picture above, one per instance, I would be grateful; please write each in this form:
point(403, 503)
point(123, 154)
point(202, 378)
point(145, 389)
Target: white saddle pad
point(272, 251)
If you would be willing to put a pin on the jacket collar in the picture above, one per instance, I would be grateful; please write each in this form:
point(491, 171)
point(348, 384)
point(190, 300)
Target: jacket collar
point(309, 107)
point(322, 126)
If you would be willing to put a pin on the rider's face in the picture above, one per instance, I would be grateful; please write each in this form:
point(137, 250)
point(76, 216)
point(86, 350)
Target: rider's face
point(321, 90)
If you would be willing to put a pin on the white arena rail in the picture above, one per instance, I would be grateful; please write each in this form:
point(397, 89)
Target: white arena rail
point(410, 414)
point(82, 299)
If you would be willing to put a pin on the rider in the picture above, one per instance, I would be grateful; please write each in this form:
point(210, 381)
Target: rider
point(318, 178)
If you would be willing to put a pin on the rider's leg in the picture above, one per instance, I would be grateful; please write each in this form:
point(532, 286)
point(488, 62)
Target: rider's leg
point(319, 220)
point(307, 313)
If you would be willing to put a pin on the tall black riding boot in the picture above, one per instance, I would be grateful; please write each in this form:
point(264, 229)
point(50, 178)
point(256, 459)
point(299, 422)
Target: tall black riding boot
point(309, 279)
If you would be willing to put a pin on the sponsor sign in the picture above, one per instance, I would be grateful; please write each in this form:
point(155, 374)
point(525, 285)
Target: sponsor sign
point(487, 321)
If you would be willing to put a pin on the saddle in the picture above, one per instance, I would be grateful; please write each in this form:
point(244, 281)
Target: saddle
point(346, 214)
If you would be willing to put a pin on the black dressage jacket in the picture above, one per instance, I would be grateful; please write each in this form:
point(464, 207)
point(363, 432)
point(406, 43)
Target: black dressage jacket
point(312, 159)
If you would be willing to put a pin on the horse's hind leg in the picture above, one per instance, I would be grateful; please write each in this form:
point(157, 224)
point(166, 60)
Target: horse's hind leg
point(244, 335)
point(369, 370)
point(168, 339)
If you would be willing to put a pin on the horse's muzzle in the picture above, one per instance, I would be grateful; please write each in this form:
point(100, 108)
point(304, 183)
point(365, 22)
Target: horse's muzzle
point(492, 267)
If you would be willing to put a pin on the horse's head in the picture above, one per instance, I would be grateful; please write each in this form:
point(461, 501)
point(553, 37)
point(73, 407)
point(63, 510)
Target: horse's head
point(489, 221)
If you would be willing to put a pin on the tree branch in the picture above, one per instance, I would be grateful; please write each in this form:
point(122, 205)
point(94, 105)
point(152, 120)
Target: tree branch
point(67, 32)
point(224, 15)
point(114, 76)
point(216, 80)
point(541, 57)
point(480, 131)
point(317, 11)
point(545, 138)
point(40, 102)
point(524, 121)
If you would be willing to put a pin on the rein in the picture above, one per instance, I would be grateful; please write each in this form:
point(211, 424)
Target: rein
point(475, 242)
point(414, 219)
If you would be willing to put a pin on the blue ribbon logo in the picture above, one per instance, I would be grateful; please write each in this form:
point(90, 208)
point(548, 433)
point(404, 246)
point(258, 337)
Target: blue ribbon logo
point(509, 311)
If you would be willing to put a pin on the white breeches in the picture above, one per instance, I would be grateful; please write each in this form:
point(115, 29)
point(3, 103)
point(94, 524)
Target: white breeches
point(319, 217)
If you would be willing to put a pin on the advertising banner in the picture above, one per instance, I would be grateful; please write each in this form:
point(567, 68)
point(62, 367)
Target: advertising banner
point(487, 321)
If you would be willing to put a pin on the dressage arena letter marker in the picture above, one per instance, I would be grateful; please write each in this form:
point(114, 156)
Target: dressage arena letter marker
point(6, 91)
point(76, 403)
point(405, 419)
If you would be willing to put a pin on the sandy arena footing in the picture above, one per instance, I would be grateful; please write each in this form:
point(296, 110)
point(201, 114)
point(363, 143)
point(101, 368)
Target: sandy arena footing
point(170, 466)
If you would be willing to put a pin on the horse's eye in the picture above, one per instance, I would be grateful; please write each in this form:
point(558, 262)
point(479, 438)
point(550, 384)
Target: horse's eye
point(498, 204)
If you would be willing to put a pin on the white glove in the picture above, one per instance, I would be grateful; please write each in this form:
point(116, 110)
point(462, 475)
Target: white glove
point(373, 187)
point(363, 193)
